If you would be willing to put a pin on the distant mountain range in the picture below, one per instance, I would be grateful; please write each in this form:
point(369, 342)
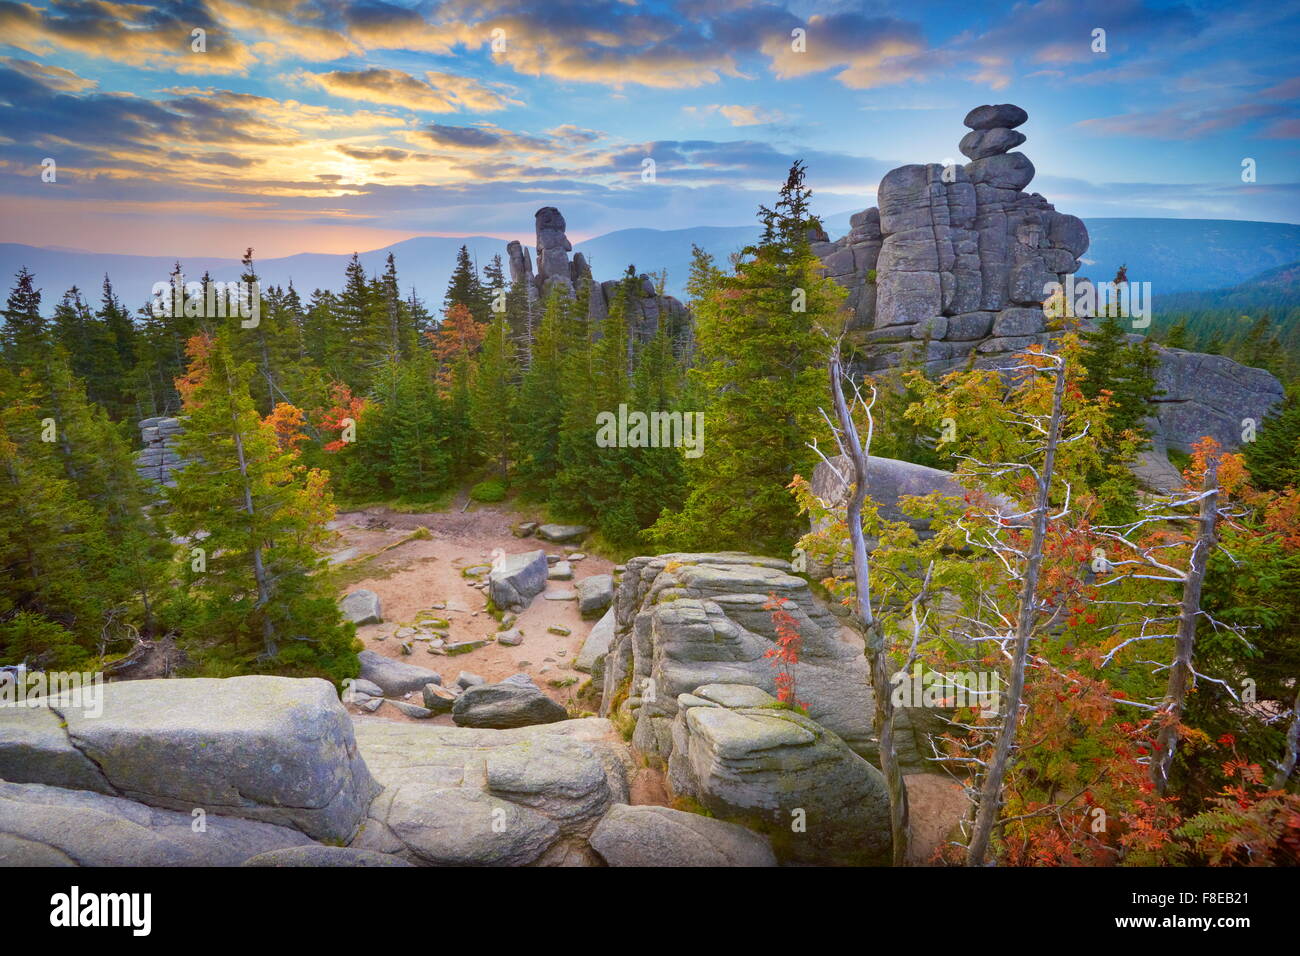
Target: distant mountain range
point(1175, 255)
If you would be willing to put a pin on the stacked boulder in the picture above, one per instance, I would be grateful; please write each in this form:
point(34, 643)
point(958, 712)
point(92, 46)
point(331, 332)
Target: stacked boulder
point(956, 259)
point(954, 265)
point(158, 461)
point(556, 270)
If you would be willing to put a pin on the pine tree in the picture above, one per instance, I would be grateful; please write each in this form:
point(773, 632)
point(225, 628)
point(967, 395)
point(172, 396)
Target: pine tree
point(492, 396)
point(540, 409)
point(761, 366)
point(101, 466)
point(1274, 457)
point(466, 289)
point(257, 518)
point(1125, 372)
point(52, 546)
point(26, 334)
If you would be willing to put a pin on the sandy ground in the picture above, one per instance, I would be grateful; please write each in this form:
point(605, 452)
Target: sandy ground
point(414, 575)
point(418, 574)
point(935, 806)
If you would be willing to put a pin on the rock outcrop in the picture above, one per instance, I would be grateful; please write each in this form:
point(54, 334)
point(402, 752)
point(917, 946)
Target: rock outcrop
point(455, 796)
point(270, 749)
point(158, 461)
point(955, 259)
point(686, 667)
point(744, 757)
point(660, 836)
point(954, 264)
point(685, 620)
point(645, 310)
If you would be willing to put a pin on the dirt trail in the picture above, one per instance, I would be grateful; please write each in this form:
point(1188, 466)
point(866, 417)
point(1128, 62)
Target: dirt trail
point(416, 574)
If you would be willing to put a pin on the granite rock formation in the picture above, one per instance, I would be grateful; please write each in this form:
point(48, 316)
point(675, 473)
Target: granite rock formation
point(572, 276)
point(158, 461)
point(953, 266)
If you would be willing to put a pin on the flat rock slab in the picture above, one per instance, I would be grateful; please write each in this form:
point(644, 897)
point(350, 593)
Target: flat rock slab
point(52, 826)
point(443, 787)
point(319, 855)
point(395, 678)
point(510, 703)
point(562, 533)
point(275, 749)
point(660, 836)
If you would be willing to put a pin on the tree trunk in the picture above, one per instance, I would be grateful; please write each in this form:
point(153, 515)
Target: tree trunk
point(877, 652)
point(1180, 673)
point(259, 568)
point(990, 800)
point(1287, 765)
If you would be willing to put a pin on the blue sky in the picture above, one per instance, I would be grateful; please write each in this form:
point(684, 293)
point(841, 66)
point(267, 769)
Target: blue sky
point(328, 126)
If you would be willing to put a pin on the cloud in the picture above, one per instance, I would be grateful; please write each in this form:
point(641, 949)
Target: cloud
point(54, 77)
point(437, 93)
point(737, 115)
point(868, 52)
point(140, 35)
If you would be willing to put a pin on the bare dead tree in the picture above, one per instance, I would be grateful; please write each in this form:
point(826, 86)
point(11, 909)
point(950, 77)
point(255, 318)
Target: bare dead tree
point(857, 450)
point(1180, 674)
point(1147, 559)
point(990, 796)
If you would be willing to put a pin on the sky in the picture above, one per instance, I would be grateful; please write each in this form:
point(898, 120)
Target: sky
point(334, 126)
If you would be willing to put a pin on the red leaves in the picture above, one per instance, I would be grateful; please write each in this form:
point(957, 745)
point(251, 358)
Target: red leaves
point(785, 654)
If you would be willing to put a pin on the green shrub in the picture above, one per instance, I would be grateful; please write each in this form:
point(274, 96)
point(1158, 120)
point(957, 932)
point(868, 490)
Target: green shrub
point(494, 489)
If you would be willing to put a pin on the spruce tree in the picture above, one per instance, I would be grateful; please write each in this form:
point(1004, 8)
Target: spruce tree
point(761, 365)
point(257, 517)
point(492, 394)
point(1273, 458)
point(466, 289)
point(26, 334)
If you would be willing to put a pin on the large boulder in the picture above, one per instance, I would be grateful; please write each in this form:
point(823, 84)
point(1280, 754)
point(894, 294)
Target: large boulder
point(54, 826)
point(362, 607)
point(395, 678)
point(591, 657)
point(517, 579)
point(689, 619)
point(595, 594)
point(1210, 395)
point(660, 836)
point(274, 749)
point(563, 533)
point(460, 796)
point(514, 702)
point(747, 759)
